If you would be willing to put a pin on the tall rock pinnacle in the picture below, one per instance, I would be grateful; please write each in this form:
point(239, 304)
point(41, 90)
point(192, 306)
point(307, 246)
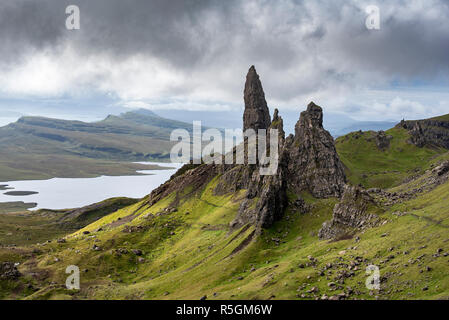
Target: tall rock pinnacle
point(314, 164)
point(256, 115)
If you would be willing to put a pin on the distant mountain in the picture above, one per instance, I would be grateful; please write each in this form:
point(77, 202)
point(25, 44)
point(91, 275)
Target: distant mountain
point(336, 124)
point(362, 125)
point(150, 120)
point(38, 147)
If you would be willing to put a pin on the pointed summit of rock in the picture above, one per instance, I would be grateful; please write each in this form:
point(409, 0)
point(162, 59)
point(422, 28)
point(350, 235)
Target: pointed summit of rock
point(278, 123)
point(311, 118)
point(256, 115)
point(276, 114)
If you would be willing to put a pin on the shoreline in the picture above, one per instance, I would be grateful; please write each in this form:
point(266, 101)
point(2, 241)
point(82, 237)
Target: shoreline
point(63, 193)
point(126, 169)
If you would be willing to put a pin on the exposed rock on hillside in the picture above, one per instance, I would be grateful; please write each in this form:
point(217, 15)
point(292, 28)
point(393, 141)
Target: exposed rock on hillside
point(354, 211)
point(313, 162)
point(193, 176)
point(414, 186)
point(442, 169)
point(8, 271)
point(427, 132)
point(383, 140)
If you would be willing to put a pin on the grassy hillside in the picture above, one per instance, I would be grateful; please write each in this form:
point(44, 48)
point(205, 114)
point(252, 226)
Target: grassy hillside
point(370, 166)
point(182, 246)
point(444, 118)
point(21, 227)
point(191, 252)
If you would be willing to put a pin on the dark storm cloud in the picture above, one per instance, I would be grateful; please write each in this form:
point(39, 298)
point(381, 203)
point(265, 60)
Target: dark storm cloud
point(321, 44)
point(409, 44)
point(27, 26)
point(172, 30)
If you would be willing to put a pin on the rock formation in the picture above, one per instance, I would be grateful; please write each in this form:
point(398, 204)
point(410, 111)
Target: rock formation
point(307, 161)
point(313, 163)
point(266, 198)
point(256, 115)
point(431, 132)
point(383, 140)
point(356, 210)
point(442, 169)
point(8, 271)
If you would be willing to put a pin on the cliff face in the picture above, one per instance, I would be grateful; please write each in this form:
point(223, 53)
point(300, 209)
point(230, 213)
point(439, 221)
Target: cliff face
point(429, 132)
point(266, 198)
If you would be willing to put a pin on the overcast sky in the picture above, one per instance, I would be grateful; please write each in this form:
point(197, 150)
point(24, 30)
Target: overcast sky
point(194, 55)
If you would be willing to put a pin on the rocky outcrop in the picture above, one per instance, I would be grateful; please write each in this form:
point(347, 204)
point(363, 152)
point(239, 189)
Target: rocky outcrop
point(382, 140)
point(8, 271)
point(194, 176)
point(80, 217)
point(313, 162)
point(256, 115)
point(431, 132)
point(442, 169)
point(414, 186)
point(356, 211)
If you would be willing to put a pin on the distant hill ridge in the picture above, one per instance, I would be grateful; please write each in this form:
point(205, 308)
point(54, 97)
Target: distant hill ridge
point(41, 148)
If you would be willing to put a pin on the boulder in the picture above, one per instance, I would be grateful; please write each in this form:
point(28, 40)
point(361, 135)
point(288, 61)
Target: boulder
point(8, 271)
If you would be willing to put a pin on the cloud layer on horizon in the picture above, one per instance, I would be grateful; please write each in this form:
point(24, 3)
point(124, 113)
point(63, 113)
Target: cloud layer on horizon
point(194, 54)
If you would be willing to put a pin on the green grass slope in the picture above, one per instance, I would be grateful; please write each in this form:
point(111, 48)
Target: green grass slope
point(366, 164)
point(21, 227)
point(182, 247)
point(190, 252)
point(444, 118)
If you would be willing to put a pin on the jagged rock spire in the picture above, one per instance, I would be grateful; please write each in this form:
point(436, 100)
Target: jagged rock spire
point(312, 117)
point(278, 123)
point(314, 164)
point(256, 115)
